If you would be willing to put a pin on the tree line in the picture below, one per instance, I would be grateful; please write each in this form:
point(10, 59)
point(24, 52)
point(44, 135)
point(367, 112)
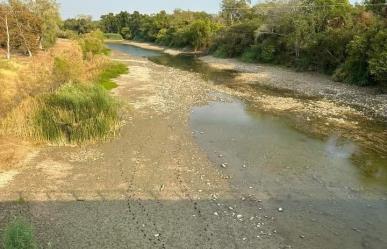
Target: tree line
point(330, 36)
point(28, 26)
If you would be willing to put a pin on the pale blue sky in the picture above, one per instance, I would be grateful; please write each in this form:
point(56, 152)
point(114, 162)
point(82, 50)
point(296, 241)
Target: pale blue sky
point(96, 8)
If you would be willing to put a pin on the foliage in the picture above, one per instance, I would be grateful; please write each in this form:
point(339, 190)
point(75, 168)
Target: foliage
point(30, 25)
point(48, 12)
point(366, 62)
point(19, 235)
point(329, 36)
point(111, 71)
point(113, 36)
point(180, 29)
point(75, 113)
point(93, 44)
point(233, 41)
point(80, 25)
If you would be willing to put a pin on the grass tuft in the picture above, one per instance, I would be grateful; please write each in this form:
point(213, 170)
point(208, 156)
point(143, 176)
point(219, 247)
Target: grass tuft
point(111, 71)
point(19, 235)
point(76, 113)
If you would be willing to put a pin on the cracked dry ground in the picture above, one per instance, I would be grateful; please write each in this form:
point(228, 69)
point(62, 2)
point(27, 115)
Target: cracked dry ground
point(150, 187)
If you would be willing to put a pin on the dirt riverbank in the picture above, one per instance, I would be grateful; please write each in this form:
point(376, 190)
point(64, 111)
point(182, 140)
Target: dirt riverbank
point(154, 47)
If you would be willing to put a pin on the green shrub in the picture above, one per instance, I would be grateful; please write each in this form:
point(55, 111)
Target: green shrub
point(93, 44)
point(19, 235)
point(76, 113)
point(113, 36)
point(67, 34)
point(111, 71)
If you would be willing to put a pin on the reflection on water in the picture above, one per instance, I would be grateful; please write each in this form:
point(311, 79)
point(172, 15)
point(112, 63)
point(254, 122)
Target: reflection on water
point(134, 51)
point(183, 62)
point(192, 64)
point(270, 143)
point(335, 149)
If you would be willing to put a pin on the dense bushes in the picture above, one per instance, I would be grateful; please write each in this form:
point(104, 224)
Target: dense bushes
point(180, 29)
point(332, 36)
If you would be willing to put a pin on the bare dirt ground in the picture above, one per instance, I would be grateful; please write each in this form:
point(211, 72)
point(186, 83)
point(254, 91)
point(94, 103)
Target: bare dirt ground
point(151, 187)
point(154, 47)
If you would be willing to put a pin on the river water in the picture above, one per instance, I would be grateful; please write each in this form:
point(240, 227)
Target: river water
point(333, 190)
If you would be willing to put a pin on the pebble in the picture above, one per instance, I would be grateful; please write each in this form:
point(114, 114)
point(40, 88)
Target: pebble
point(216, 214)
point(157, 235)
point(224, 165)
point(280, 209)
point(239, 216)
point(302, 236)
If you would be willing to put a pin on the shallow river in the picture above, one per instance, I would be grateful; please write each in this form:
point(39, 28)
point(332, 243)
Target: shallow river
point(333, 190)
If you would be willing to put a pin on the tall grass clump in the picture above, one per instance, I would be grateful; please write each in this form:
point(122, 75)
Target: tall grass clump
point(111, 71)
point(75, 114)
point(19, 235)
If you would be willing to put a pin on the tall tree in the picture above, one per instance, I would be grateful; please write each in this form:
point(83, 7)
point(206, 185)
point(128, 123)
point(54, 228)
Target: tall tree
point(48, 11)
point(234, 10)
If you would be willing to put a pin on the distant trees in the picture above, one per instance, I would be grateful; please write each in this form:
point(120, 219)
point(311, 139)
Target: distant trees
point(331, 36)
point(180, 29)
point(28, 25)
point(80, 25)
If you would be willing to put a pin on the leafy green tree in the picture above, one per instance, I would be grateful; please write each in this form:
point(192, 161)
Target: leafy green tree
point(48, 12)
point(81, 24)
point(235, 10)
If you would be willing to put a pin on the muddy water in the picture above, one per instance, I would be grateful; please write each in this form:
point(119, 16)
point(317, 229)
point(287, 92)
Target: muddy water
point(328, 201)
point(333, 190)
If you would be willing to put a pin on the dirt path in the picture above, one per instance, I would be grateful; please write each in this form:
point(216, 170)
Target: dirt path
point(151, 187)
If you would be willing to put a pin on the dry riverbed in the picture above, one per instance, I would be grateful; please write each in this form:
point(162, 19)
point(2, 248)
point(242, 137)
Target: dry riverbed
point(151, 187)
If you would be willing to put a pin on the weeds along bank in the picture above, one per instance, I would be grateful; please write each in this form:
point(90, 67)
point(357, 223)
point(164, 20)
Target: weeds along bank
point(70, 103)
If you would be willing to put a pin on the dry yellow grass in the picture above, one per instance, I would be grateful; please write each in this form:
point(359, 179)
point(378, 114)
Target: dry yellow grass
point(22, 77)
